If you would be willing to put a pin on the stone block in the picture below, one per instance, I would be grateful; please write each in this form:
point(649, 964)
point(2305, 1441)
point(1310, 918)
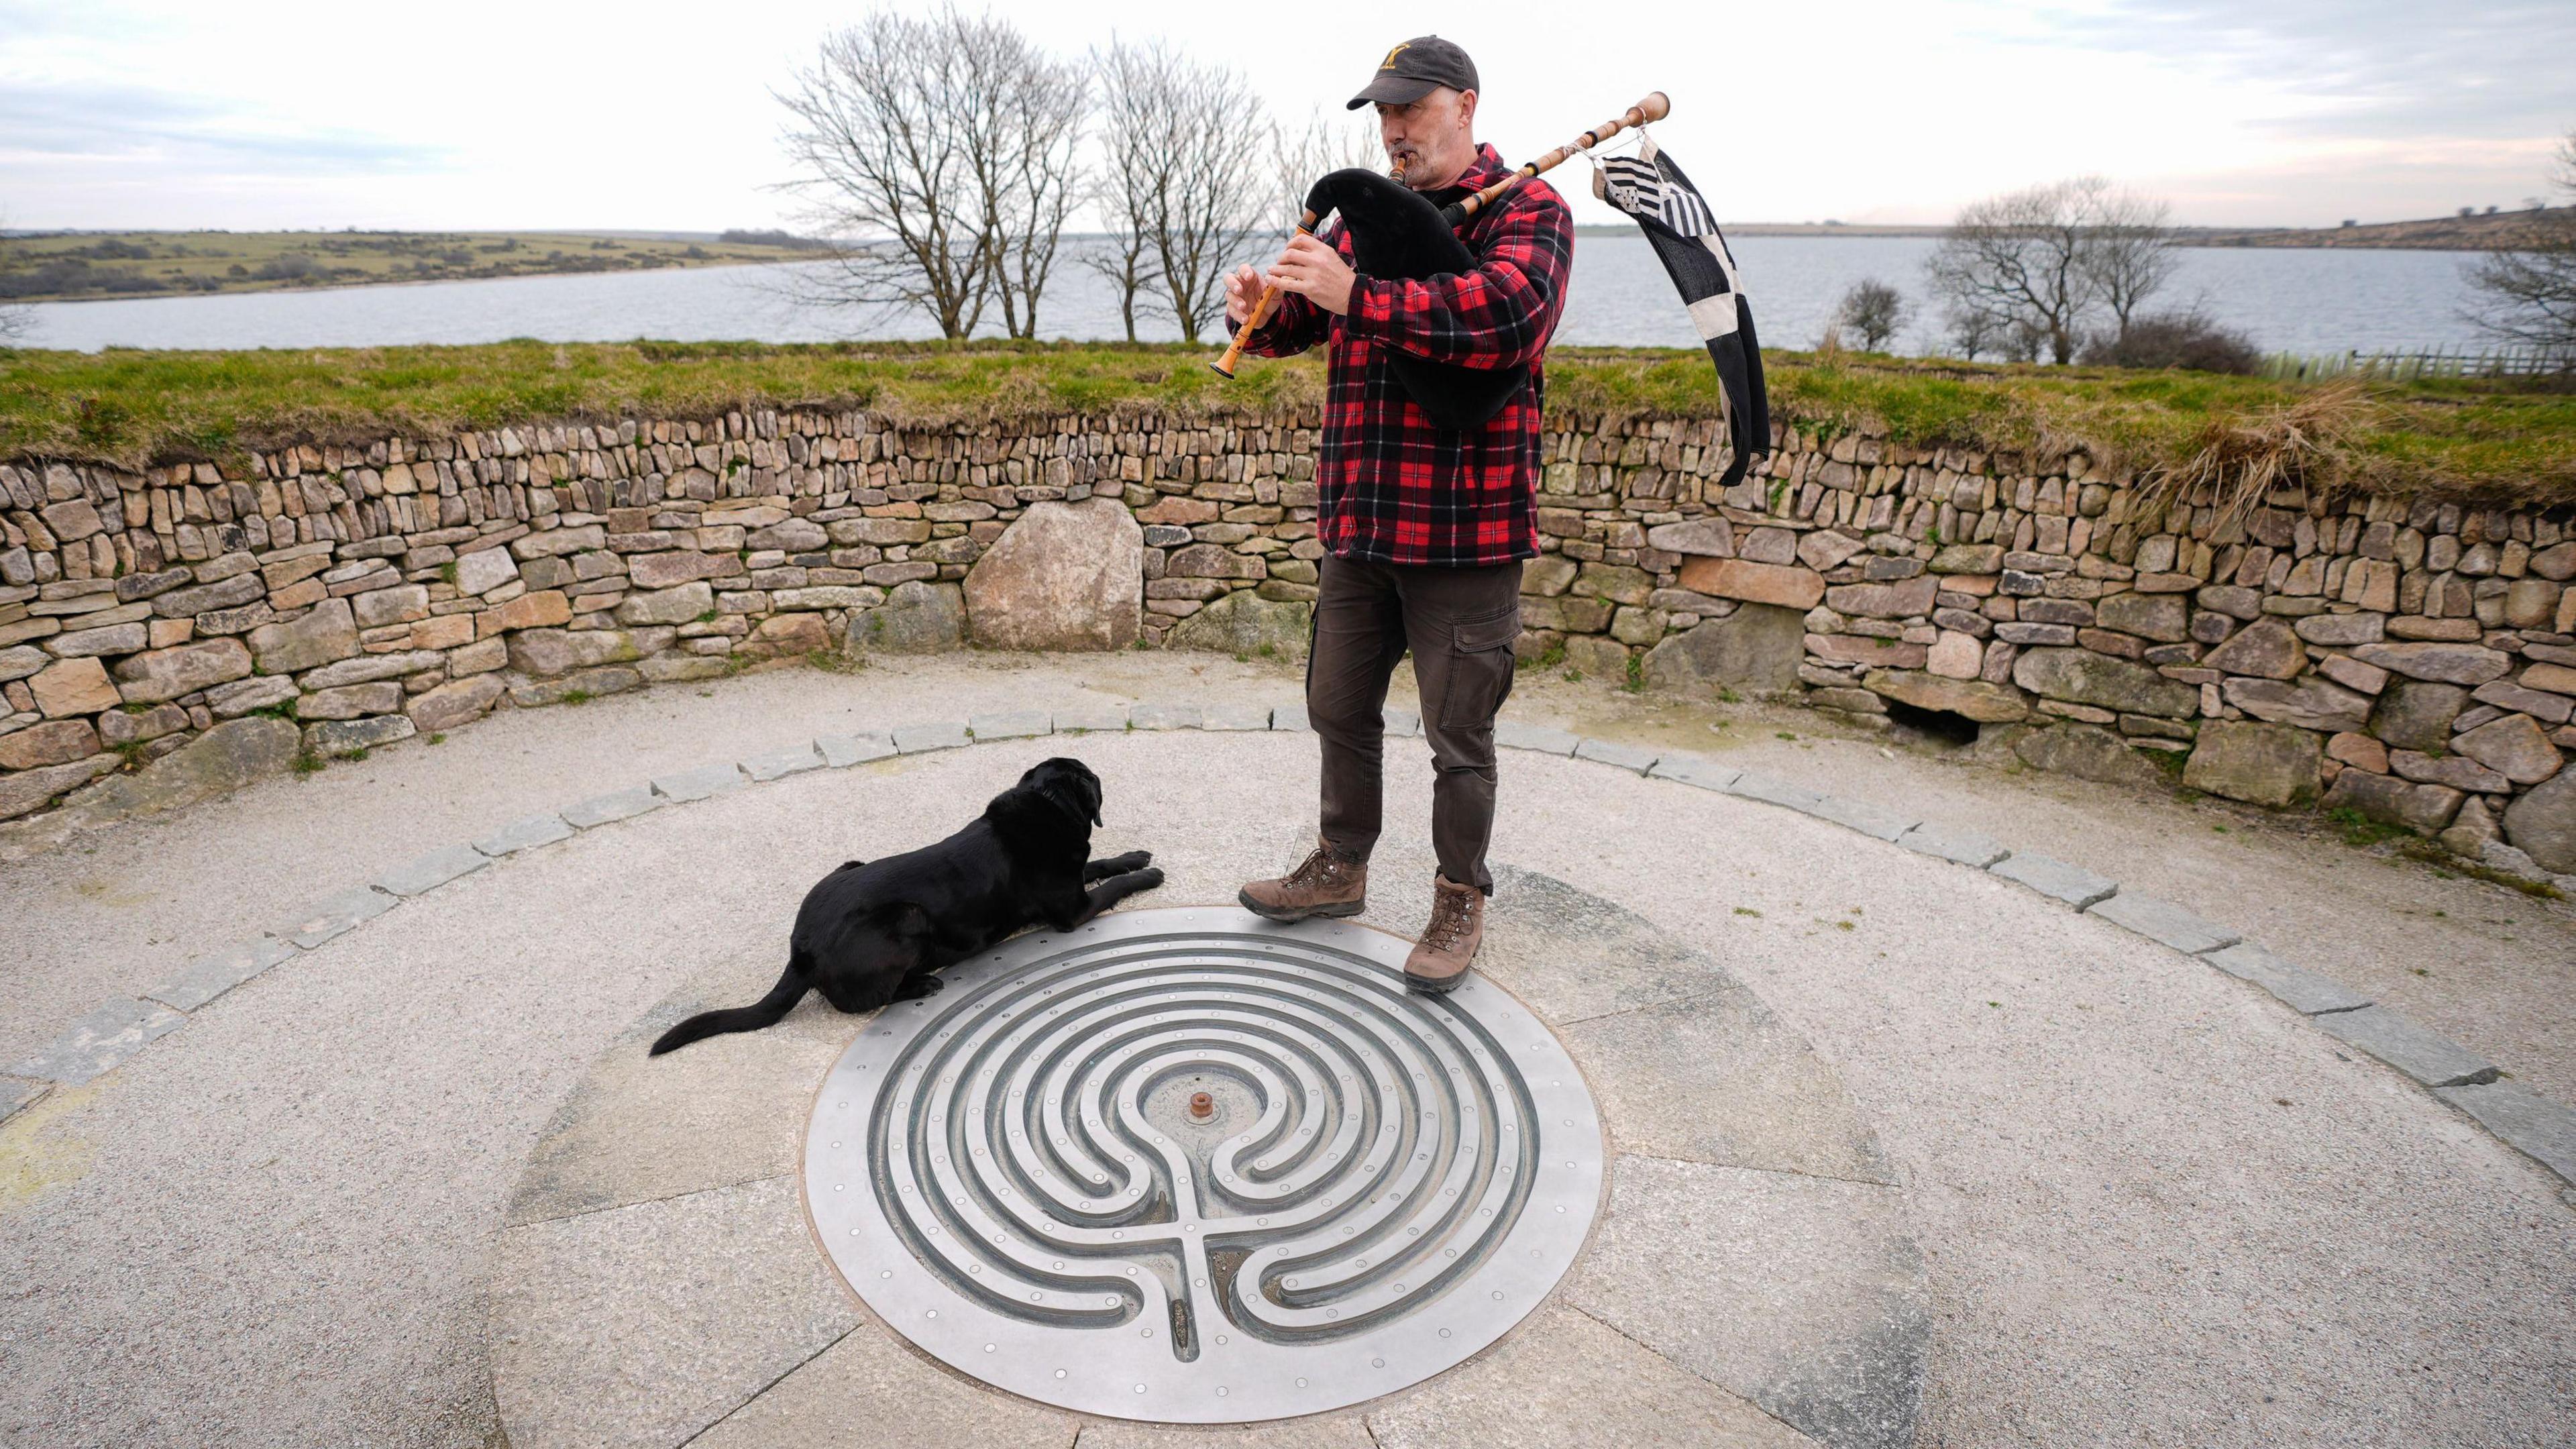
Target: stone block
point(2513, 747)
point(346, 737)
point(839, 752)
point(2088, 752)
point(2308, 703)
point(2301, 990)
point(2265, 649)
point(1783, 586)
point(2420, 808)
point(2161, 920)
point(1911, 598)
point(680, 605)
point(401, 604)
point(1700, 537)
point(616, 805)
point(778, 764)
point(100, 1042)
point(2542, 823)
point(423, 874)
point(336, 915)
point(1091, 717)
point(700, 783)
point(1626, 757)
point(2524, 1120)
point(1697, 771)
point(2263, 764)
point(353, 701)
point(1973, 699)
point(2409, 1046)
point(56, 742)
point(1966, 847)
point(1163, 715)
point(923, 736)
point(2161, 617)
point(1245, 623)
point(2469, 665)
point(1755, 648)
point(916, 618)
point(458, 702)
point(1512, 734)
point(73, 687)
point(525, 833)
point(91, 643)
point(2115, 684)
point(1021, 724)
point(368, 668)
point(2055, 878)
point(326, 632)
point(484, 570)
point(1771, 790)
point(1234, 717)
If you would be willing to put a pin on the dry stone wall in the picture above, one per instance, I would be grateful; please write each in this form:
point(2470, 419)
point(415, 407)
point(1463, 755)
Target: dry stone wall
point(184, 626)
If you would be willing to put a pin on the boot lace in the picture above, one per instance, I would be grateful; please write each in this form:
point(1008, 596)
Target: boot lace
point(1325, 869)
point(1451, 914)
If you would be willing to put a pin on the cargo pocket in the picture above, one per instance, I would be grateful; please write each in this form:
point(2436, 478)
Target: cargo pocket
point(1480, 669)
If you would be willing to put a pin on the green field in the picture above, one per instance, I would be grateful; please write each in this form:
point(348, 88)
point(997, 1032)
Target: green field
point(2459, 438)
point(89, 265)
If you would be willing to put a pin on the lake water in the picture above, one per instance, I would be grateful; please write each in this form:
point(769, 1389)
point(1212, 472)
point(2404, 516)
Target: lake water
point(2289, 300)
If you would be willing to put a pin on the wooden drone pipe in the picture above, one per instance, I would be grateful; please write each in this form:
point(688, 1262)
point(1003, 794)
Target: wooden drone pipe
point(1654, 107)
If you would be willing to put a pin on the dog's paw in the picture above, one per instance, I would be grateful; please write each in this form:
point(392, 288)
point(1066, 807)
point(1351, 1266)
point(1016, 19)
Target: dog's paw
point(1148, 878)
point(1132, 860)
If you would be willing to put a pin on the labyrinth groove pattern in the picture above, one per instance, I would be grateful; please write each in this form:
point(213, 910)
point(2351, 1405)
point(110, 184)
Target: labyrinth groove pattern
point(1190, 1166)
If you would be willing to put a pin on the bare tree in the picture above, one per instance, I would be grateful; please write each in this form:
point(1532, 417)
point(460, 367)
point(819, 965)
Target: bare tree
point(1181, 216)
point(16, 321)
point(2043, 260)
point(1325, 144)
point(1031, 108)
point(940, 151)
point(1873, 309)
point(1132, 112)
point(2129, 249)
point(2528, 295)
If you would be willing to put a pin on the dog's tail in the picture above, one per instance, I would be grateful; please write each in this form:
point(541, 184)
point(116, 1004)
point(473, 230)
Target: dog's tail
point(782, 998)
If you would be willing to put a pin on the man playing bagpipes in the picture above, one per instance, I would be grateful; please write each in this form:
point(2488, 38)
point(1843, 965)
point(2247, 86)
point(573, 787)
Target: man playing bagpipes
point(1424, 525)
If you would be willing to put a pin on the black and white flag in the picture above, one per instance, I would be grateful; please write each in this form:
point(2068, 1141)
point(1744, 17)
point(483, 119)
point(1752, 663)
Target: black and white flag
point(1673, 215)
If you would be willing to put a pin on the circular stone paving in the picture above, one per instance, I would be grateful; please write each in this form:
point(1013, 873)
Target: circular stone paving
point(1191, 1166)
point(678, 1264)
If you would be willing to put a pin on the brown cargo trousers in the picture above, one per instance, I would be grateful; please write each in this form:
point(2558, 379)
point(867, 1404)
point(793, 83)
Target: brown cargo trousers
point(1460, 624)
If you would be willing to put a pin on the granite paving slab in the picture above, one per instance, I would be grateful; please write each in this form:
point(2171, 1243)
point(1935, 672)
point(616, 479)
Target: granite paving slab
point(1771, 790)
point(2049, 876)
point(1163, 715)
point(2409, 1046)
point(2532, 1124)
point(2158, 919)
point(1963, 846)
point(2302, 990)
point(779, 764)
point(643, 1325)
point(1695, 770)
point(1564, 1379)
point(702, 782)
point(1091, 718)
point(926, 735)
point(1403, 722)
point(100, 1042)
point(867, 1391)
point(1018, 724)
point(1626, 757)
point(1512, 734)
point(211, 976)
point(338, 914)
point(839, 752)
point(1573, 956)
point(425, 873)
point(1291, 717)
point(525, 833)
point(1235, 717)
point(1800, 1294)
point(615, 805)
point(1866, 818)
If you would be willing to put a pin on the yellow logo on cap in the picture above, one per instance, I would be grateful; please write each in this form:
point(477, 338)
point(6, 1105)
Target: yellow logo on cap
point(1389, 62)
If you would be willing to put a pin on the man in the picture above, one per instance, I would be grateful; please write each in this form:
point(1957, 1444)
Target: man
point(1424, 528)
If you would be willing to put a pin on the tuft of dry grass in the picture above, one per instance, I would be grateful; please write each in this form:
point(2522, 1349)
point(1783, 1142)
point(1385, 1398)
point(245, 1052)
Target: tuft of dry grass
point(2306, 443)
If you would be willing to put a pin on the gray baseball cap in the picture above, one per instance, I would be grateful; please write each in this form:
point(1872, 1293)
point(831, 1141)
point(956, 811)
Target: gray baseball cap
point(1415, 69)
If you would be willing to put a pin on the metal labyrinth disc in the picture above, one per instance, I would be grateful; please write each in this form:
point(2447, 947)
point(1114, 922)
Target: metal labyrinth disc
point(1195, 1167)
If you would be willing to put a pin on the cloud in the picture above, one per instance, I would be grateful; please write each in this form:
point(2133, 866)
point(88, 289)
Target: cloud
point(105, 122)
point(2367, 68)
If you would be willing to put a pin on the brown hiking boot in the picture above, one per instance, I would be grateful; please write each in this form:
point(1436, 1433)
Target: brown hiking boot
point(1448, 945)
point(1329, 882)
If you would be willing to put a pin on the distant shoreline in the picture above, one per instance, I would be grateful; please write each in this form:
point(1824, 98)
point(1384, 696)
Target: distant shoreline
point(2484, 232)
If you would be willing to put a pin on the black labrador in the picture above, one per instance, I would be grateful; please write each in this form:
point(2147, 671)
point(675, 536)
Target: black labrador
point(871, 933)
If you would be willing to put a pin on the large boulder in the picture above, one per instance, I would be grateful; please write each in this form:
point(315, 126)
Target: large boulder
point(1245, 623)
point(1757, 647)
point(2081, 676)
point(1064, 576)
point(916, 618)
point(2262, 764)
point(2542, 824)
point(223, 759)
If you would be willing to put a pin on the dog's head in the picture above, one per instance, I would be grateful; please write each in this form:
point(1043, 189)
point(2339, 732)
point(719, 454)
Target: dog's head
point(1068, 784)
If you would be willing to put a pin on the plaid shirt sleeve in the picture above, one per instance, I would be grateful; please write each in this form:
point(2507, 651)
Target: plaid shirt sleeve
point(1495, 316)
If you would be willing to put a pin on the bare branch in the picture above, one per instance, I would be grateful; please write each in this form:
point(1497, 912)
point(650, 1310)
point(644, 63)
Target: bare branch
point(2528, 296)
point(2036, 265)
point(1873, 309)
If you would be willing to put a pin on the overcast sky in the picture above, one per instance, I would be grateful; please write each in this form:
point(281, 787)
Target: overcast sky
point(259, 114)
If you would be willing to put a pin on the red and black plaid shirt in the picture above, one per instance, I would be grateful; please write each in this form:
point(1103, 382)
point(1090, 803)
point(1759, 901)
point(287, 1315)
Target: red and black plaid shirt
point(1391, 486)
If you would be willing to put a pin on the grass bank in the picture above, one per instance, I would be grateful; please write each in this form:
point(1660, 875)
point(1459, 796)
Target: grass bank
point(2461, 438)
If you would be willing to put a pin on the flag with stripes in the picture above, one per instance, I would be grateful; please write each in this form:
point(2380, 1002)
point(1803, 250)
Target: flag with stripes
point(1676, 219)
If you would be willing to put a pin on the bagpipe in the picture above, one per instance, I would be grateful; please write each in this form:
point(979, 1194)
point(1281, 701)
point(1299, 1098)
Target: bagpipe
point(1398, 233)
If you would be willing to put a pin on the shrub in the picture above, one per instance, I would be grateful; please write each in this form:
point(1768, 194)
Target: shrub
point(2190, 340)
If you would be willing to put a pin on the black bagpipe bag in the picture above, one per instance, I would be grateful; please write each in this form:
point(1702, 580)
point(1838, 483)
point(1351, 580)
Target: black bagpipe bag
point(1397, 233)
